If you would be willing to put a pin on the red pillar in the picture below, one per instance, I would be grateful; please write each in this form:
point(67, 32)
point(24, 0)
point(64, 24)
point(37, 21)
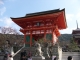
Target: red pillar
point(30, 38)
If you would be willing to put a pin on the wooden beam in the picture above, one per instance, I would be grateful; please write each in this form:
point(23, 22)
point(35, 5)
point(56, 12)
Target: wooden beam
point(38, 28)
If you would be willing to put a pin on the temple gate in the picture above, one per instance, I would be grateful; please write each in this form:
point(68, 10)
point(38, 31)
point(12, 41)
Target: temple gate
point(39, 25)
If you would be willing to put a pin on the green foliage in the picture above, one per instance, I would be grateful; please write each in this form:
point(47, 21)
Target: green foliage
point(41, 40)
point(73, 45)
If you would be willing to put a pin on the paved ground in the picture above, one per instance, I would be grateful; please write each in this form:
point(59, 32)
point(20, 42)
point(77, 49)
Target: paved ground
point(1, 57)
point(76, 55)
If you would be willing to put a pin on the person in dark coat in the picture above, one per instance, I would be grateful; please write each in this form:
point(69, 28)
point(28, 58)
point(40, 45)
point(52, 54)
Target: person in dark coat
point(5, 57)
point(23, 55)
point(69, 58)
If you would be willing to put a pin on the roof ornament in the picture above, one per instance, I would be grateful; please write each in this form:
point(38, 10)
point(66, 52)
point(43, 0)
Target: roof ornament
point(77, 24)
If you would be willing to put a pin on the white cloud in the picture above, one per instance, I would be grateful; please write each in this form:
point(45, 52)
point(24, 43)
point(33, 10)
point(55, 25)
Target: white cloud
point(11, 0)
point(71, 22)
point(74, 1)
point(67, 31)
point(8, 21)
point(1, 20)
point(69, 17)
point(1, 2)
point(2, 10)
point(78, 15)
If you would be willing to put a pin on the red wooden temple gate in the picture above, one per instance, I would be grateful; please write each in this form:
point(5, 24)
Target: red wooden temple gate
point(39, 24)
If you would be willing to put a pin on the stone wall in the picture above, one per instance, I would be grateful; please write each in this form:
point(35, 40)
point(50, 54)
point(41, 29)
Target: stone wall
point(75, 55)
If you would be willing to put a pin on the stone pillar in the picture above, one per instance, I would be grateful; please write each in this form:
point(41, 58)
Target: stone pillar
point(60, 52)
point(57, 51)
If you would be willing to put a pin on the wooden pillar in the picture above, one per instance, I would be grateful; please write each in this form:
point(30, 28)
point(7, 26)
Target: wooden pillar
point(52, 36)
point(30, 38)
point(25, 38)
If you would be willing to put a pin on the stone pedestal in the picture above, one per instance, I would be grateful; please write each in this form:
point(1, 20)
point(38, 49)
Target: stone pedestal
point(37, 58)
point(57, 51)
point(48, 51)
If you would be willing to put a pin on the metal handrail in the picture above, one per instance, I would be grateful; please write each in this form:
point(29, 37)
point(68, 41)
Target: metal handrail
point(18, 51)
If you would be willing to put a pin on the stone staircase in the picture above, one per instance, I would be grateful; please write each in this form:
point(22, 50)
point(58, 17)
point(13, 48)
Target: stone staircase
point(17, 56)
point(32, 49)
point(55, 52)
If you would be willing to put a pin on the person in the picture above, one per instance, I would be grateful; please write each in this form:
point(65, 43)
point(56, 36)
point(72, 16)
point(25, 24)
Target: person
point(69, 58)
point(30, 58)
point(29, 55)
point(23, 55)
point(55, 58)
point(5, 57)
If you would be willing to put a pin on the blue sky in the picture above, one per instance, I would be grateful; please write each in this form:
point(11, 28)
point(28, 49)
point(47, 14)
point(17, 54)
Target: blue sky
point(19, 8)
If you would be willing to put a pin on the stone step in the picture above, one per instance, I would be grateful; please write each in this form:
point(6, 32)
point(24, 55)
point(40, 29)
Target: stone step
point(32, 49)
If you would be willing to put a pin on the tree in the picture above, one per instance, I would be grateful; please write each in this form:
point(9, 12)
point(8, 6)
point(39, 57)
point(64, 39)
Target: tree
point(8, 33)
point(73, 45)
